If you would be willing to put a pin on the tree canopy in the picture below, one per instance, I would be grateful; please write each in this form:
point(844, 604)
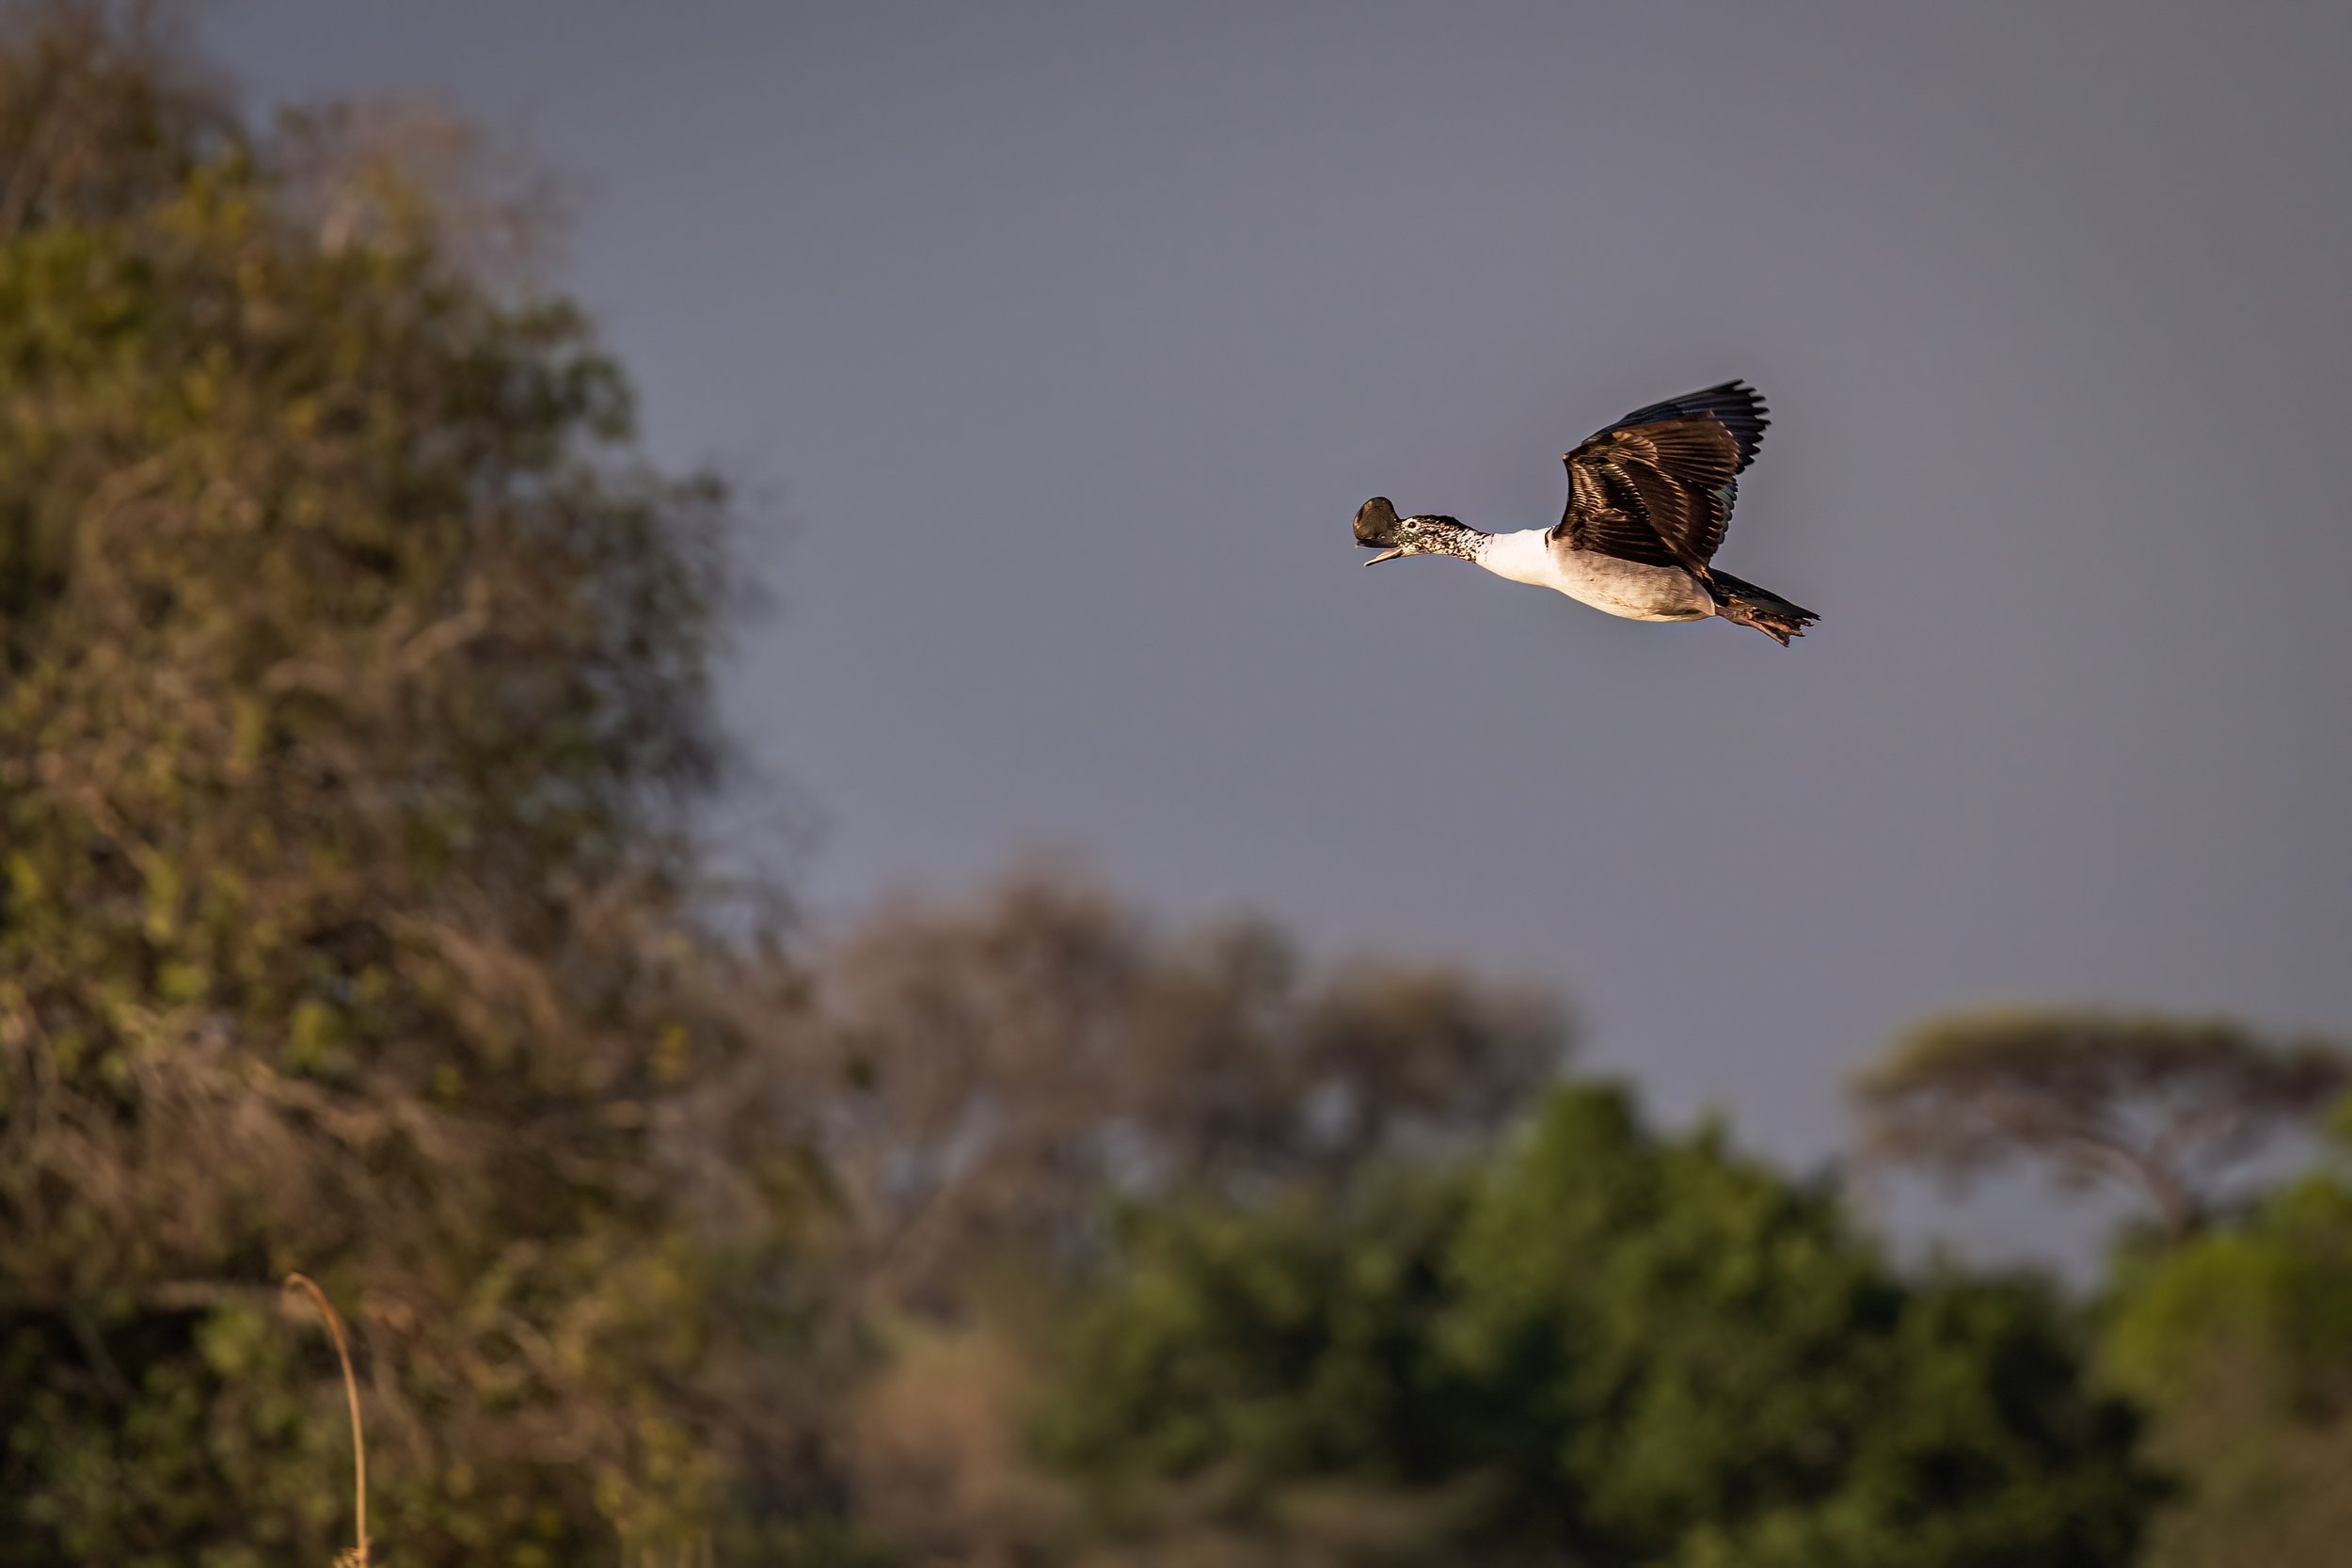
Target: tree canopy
point(352, 670)
point(1007, 1061)
point(2240, 1342)
point(2165, 1108)
point(1605, 1346)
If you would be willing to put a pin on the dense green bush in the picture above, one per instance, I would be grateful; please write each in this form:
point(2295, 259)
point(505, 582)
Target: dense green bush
point(1607, 1344)
point(2240, 1342)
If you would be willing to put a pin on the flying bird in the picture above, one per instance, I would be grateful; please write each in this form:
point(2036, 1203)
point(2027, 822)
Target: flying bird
point(1648, 498)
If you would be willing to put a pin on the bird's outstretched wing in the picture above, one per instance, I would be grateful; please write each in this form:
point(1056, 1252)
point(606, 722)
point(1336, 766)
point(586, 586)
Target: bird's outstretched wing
point(1657, 487)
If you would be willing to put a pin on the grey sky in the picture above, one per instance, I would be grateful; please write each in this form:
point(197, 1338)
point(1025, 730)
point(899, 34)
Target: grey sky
point(1070, 336)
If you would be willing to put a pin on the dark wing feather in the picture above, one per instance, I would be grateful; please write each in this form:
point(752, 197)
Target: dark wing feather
point(1657, 487)
point(1740, 405)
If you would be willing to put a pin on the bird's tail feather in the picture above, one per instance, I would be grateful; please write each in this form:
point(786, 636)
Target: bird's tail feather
point(1744, 604)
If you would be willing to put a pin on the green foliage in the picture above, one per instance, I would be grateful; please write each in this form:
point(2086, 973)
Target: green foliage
point(2229, 1323)
point(2241, 1343)
point(351, 669)
point(1627, 1349)
point(1738, 1379)
point(1271, 1342)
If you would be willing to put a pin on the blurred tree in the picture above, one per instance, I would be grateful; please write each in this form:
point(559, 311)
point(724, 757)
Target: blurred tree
point(1016, 1059)
point(100, 115)
point(1606, 1348)
point(2240, 1342)
point(1271, 1384)
point(352, 676)
point(996, 1074)
point(2166, 1109)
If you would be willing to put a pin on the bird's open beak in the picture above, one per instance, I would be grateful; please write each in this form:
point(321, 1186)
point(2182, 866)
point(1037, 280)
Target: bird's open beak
point(1384, 555)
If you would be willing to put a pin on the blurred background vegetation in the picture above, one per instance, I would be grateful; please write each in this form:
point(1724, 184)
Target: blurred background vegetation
point(355, 704)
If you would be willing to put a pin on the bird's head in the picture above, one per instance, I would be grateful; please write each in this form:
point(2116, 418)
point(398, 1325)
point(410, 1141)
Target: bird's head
point(1379, 528)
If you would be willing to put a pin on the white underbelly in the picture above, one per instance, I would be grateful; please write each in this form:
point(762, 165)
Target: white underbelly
point(1623, 588)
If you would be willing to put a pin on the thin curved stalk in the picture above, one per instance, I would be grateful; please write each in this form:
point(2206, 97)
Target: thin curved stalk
point(358, 1555)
